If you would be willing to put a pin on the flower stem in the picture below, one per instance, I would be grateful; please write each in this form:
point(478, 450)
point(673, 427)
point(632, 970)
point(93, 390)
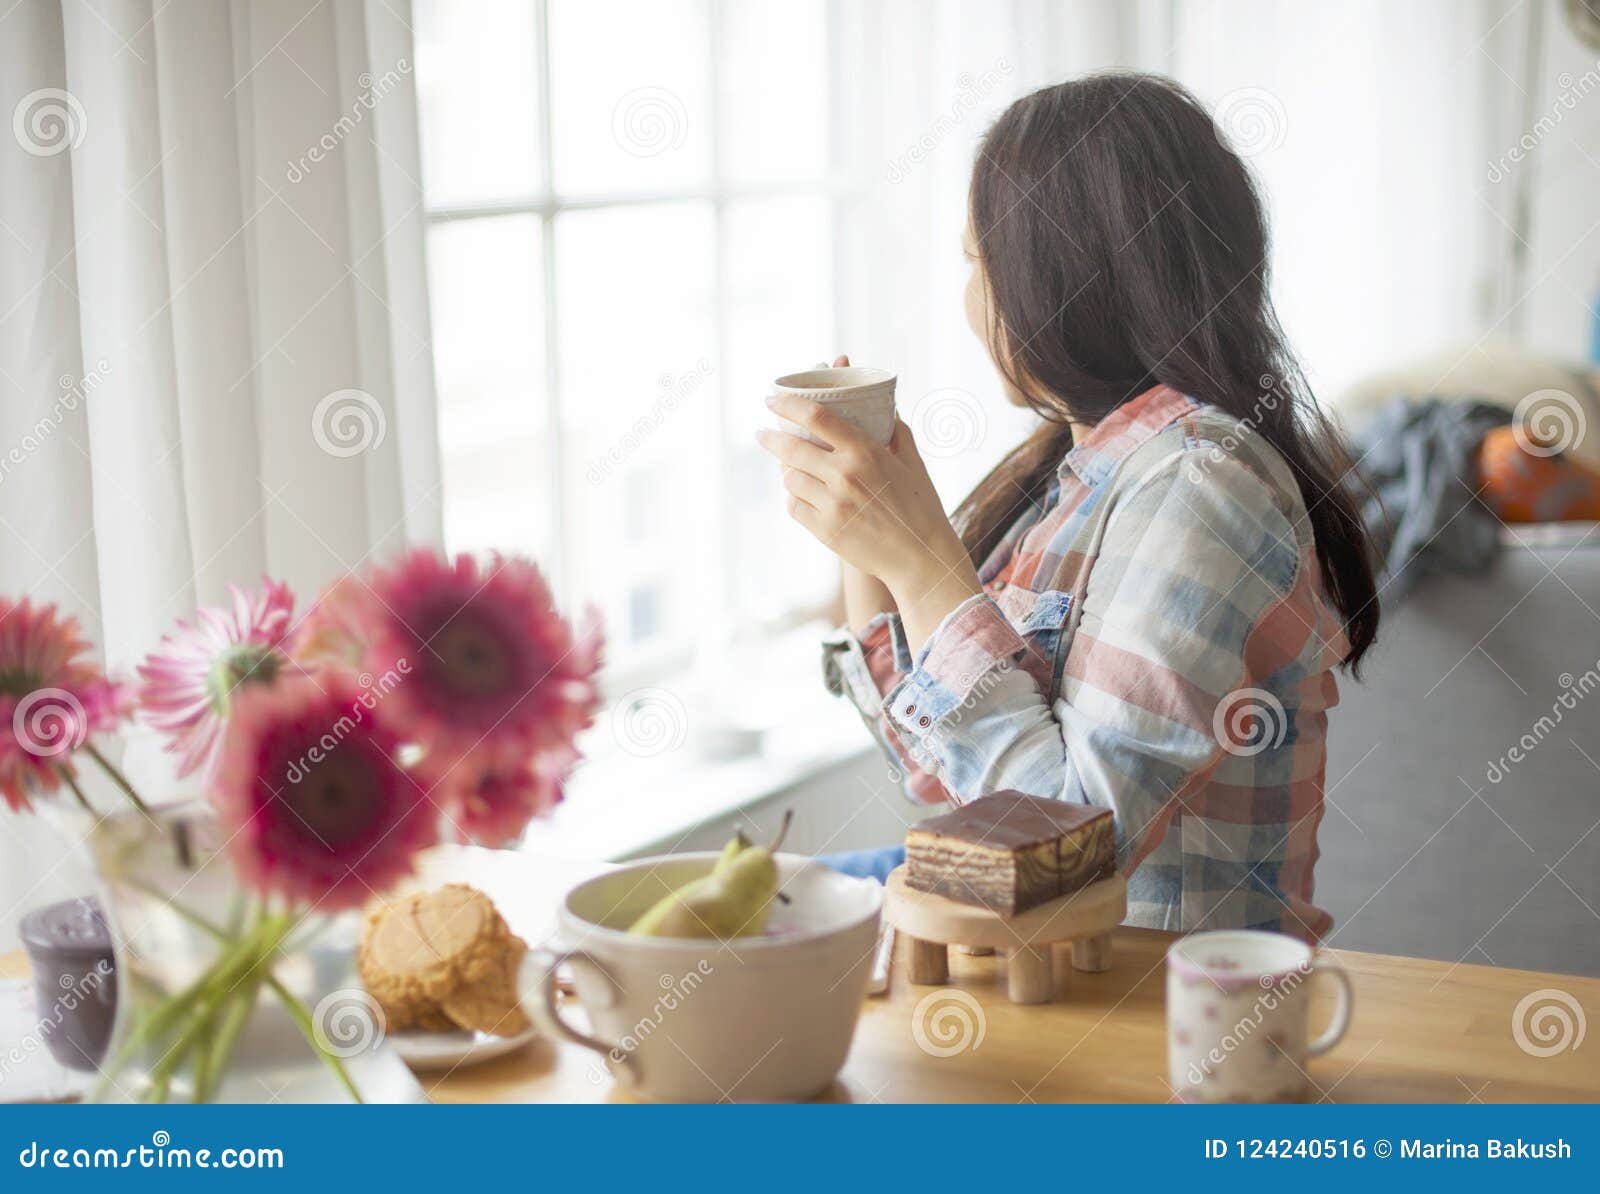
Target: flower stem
point(116, 777)
point(235, 1015)
point(297, 1010)
point(302, 1017)
point(72, 782)
point(225, 972)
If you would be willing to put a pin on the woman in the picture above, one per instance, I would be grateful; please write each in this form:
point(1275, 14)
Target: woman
point(1142, 606)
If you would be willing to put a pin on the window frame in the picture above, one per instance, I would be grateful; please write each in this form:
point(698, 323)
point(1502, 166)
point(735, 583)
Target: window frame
point(834, 185)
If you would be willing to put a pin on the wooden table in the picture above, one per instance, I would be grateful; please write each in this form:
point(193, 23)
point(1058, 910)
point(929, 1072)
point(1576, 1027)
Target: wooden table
point(1422, 1031)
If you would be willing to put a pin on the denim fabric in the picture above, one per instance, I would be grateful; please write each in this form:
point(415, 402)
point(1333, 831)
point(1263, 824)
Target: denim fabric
point(866, 864)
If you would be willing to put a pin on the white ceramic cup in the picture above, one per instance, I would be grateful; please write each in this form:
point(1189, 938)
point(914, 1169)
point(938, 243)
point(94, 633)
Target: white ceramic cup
point(754, 1019)
point(1238, 1007)
point(863, 396)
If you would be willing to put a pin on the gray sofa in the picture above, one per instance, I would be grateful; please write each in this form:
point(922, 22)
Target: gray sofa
point(1463, 787)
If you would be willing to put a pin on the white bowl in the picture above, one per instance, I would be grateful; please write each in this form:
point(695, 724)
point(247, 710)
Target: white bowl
point(752, 1019)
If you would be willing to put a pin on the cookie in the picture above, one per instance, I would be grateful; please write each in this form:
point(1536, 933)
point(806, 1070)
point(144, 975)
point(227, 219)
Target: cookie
point(444, 959)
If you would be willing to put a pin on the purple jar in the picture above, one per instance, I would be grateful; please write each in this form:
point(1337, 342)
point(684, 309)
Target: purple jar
point(74, 979)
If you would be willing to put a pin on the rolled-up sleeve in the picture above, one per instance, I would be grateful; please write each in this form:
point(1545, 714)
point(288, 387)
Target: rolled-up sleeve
point(863, 669)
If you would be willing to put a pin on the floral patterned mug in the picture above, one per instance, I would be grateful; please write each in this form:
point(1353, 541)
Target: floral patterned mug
point(1238, 1006)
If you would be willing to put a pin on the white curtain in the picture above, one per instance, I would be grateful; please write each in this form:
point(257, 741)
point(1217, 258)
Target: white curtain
point(214, 337)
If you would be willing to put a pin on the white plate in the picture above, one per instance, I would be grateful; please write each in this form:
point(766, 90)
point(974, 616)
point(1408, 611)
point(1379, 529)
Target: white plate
point(446, 1050)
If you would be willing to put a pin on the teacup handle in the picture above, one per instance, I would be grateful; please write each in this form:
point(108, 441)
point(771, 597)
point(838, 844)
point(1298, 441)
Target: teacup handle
point(1335, 1031)
point(537, 988)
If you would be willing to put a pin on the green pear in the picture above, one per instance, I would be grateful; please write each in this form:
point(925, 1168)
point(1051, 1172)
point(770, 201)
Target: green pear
point(734, 900)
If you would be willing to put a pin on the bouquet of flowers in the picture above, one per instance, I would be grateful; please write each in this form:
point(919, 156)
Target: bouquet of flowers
point(430, 696)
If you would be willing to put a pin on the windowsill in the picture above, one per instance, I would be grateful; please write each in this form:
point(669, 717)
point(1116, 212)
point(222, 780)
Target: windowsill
point(620, 805)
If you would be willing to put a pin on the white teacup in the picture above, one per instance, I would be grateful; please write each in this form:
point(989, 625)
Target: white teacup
point(1238, 1005)
point(860, 395)
point(754, 1019)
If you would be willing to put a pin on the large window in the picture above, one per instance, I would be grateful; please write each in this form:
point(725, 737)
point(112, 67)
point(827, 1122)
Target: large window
point(627, 238)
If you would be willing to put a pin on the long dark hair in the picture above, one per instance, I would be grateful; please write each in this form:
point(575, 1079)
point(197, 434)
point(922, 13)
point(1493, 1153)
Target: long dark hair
point(1124, 245)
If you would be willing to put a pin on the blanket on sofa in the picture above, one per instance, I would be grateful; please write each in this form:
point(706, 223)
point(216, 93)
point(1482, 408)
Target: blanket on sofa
point(1417, 460)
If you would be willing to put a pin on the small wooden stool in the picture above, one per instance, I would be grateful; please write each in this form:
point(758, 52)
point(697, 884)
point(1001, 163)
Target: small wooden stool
point(934, 923)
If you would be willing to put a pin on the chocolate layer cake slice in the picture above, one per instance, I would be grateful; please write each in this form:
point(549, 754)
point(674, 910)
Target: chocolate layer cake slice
point(1010, 852)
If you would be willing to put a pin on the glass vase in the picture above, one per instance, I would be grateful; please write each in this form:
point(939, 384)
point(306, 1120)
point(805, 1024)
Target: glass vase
point(221, 996)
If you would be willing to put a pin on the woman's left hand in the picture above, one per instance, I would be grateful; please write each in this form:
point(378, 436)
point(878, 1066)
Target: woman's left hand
point(874, 506)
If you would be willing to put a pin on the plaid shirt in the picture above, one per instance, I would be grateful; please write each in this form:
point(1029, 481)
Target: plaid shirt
point(1153, 638)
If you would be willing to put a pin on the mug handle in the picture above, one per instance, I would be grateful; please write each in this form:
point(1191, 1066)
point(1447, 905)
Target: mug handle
point(537, 991)
point(1335, 1031)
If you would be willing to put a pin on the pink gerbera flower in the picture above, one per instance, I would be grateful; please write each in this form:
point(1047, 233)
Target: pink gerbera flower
point(189, 681)
point(311, 795)
point(499, 799)
point(51, 699)
point(473, 660)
